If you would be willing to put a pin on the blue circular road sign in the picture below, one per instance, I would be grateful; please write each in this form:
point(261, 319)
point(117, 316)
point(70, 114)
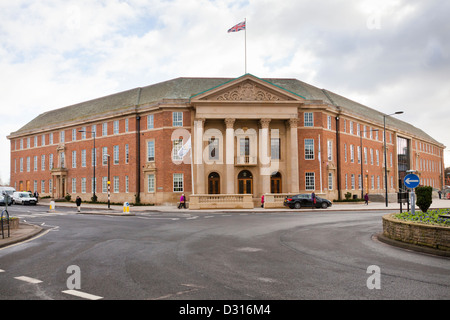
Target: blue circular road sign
point(412, 181)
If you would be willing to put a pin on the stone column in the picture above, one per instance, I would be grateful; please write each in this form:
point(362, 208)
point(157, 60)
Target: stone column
point(229, 160)
point(198, 156)
point(293, 155)
point(264, 158)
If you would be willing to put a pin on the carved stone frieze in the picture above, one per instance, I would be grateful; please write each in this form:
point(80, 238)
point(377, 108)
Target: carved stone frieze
point(248, 91)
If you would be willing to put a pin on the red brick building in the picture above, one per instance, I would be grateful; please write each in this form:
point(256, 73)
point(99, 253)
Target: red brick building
point(249, 136)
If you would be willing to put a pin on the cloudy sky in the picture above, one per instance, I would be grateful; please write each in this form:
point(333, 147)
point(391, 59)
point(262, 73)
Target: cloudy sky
point(387, 54)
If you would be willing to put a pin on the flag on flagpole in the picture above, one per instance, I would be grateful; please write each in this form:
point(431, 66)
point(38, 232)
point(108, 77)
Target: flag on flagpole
point(185, 148)
point(240, 26)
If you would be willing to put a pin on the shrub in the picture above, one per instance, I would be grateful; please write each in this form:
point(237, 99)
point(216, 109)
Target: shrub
point(424, 198)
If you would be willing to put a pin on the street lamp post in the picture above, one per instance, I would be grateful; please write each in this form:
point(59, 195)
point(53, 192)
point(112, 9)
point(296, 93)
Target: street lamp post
point(385, 155)
point(109, 181)
point(94, 197)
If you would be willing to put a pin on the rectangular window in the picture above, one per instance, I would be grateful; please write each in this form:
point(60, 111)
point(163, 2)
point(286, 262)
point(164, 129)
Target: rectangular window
point(50, 161)
point(308, 120)
point(127, 153)
point(35, 141)
point(275, 148)
point(116, 184)
point(93, 185)
point(83, 185)
point(352, 153)
point(94, 157)
point(150, 121)
point(177, 119)
point(116, 127)
point(330, 181)
point(116, 154)
point(151, 183)
point(43, 162)
point(310, 181)
point(35, 164)
point(330, 150)
point(74, 159)
point(127, 184)
point(28, 164)
point(42, 186)
point(309, 149)
point(177, 145)
point(126, 125)
point(352, 181)
point(62, 136)
point(74, 134)
point(104, 129)
point(329, 122)
point(74, 185)
point(213, 148)
point(83, 158)
point(50, 138)
point(83, 133)
point(150, 151)
point(104, 157)
point(104, 184)
point(177, 182)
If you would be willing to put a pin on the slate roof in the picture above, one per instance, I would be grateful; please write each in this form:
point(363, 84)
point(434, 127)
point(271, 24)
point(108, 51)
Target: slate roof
point(183, 89)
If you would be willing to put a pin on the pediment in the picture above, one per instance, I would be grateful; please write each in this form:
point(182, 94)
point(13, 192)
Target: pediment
point(247, 89)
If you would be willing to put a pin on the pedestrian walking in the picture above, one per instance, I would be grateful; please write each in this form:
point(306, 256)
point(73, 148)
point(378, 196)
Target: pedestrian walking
point(78, 203)
point(313, 200)
point(182, 202)
point(262, 201)
point(366, 198)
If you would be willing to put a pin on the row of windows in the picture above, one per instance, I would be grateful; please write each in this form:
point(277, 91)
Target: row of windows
point(178, 184)
point(310, 180)
point(177, 121)
point(62, 162)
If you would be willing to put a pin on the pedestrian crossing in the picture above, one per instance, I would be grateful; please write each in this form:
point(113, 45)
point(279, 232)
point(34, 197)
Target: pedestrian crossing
point(25, 216)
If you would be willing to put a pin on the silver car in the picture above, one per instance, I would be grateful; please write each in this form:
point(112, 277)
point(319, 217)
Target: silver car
point(24, 198)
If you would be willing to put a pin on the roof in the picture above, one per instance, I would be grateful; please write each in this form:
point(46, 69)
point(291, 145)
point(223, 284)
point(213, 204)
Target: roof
point(183, 89)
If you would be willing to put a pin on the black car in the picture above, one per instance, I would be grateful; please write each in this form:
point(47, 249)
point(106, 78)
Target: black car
point(304, 201)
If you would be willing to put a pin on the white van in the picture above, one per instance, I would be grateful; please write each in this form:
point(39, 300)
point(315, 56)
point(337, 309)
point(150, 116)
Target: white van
point(24, 197)
point(8, 190)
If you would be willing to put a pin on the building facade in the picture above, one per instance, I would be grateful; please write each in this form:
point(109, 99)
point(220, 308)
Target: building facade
point(222, 143)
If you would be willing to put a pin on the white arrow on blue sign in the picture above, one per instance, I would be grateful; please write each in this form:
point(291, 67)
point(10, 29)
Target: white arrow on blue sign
point(412, 181)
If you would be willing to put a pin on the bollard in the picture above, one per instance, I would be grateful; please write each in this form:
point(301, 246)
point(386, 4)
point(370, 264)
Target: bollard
point(52, 205)
point(126, 207)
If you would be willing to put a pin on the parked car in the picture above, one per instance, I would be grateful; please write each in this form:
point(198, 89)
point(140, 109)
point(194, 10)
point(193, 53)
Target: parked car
point(23, 198)
point(2, 200)
point(304, 200)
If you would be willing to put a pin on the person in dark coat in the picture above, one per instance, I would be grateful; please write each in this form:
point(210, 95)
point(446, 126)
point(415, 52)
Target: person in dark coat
point(366, 199)
point(78, 203)
point(182, 202)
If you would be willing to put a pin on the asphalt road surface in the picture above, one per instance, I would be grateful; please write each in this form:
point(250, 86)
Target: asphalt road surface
point(204, 256)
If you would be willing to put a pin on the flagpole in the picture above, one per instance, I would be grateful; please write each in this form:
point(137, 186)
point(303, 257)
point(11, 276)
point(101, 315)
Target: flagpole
point(245, 19)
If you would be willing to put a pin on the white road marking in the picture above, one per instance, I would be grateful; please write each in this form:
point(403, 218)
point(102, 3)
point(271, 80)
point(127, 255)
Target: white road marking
point(28, 279)
point(82, 294)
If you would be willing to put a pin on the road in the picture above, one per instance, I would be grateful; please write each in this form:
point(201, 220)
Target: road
point(323, 254)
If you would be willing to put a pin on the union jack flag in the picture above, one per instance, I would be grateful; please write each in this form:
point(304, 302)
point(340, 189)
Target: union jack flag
point(240, 26)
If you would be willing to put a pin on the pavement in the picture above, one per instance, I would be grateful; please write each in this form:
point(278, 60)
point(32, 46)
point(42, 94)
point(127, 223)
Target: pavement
point(28, 231)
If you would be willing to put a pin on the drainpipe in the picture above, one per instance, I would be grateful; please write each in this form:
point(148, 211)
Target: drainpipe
point(338, 157)
point(138, 150)
point(138, 159)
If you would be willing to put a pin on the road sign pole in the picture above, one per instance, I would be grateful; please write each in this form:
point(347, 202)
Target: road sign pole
point(413, 201)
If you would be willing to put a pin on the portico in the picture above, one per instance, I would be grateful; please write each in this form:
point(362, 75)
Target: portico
point(245, 140)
